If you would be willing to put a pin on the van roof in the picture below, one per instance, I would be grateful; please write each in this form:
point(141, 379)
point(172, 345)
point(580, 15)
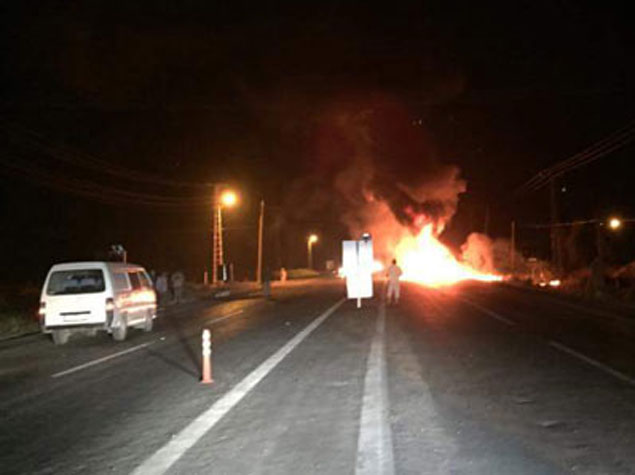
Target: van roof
point(96, 265)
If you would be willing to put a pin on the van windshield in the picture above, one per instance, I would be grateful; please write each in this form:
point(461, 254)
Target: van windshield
point(83, 281)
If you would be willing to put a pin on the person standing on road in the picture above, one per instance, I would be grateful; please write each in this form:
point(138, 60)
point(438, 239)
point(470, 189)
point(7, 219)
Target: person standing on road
point(266, 283)
point(178, 281)
point(393, 273)
point(161, 286)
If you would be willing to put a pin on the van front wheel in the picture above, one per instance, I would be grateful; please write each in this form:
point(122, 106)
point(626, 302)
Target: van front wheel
point(60, 337)
point(120, 332)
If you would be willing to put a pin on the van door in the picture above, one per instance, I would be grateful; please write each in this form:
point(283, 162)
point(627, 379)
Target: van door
point(136, 309)
point(142, 298)
point(75, 297)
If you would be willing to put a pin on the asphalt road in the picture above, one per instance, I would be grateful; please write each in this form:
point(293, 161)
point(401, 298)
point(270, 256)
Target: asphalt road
point(477, 379)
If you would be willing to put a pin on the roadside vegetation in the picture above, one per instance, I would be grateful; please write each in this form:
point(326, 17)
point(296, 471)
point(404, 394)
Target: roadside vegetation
point(301, 273)
point(18, 311)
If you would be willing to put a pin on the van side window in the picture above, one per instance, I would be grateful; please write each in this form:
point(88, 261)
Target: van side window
point(145, 280)
point(120, 281)
point(134, 280)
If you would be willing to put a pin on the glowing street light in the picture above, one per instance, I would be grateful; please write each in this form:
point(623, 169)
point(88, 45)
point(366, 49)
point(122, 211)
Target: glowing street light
point(223, 197)
point(615, 223)
point(312, 239)
point(228, 198)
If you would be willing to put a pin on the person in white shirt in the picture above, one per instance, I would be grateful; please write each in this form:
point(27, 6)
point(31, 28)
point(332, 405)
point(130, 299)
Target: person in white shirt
point(393, 273)
point(161, 287)
point(178, 281)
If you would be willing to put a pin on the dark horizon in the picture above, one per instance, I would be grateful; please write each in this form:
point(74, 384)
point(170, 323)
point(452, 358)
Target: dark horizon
point(195, 94)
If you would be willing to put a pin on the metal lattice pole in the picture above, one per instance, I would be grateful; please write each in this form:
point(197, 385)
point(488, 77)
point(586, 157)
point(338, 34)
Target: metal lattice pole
point(217, 236)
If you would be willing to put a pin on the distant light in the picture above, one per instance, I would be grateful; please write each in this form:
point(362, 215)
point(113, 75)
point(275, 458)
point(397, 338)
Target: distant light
point(555, 283)
point(228, 198)
point(615, 223)
point(313, 238)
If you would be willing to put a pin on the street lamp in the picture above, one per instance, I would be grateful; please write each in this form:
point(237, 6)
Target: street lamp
point(227, 198)
point(615, 223)
point(312, 239)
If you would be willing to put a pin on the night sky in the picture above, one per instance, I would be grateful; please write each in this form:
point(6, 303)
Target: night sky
point(116, 117)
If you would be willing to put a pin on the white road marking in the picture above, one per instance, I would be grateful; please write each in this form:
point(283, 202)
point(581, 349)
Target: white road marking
point(374, 446)
point(489, 312)
point(100, 360)
point(225, 317)
point(607, 369)
point(161, 461)
point(436, 444)
point(130, 350)
point(575, 306)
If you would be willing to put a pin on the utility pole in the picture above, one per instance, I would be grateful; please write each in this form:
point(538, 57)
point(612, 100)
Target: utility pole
point(555, 233)
point(223, 196)
point(309, 242)
point(217, 235)
point(261, 221)
point(512, 248)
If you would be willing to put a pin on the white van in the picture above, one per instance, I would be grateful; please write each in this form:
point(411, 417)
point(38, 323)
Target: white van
point(86, 297)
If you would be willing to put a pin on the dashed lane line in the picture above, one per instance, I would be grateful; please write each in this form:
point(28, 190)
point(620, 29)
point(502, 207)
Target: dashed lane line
point(164, 458)
point(129, 350)
point(607, 369)
point(565, 349)
point(489, 312)
point(225, 317)
point(587, 312)
point(100, 360)
point(374, 446)
point(559, 346)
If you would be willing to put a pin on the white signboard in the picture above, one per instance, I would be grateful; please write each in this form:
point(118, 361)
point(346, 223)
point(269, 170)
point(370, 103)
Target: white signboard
point(357, 266)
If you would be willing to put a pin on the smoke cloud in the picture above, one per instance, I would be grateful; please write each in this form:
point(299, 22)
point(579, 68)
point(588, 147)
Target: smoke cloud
point(383, 172)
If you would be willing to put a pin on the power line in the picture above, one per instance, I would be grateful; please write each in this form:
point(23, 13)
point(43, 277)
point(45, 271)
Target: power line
point(89, 189)
point(31, 147)
point(615, 141)
point(39, 143)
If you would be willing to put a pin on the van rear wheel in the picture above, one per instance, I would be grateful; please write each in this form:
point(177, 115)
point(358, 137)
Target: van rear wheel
point(149, 322)
point(60, 337)
point(120, 332)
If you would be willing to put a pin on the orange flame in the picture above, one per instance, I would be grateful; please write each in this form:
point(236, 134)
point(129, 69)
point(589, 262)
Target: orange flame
point(425, 260)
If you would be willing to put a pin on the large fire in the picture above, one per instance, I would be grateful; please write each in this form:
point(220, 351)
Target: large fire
point(425, 260)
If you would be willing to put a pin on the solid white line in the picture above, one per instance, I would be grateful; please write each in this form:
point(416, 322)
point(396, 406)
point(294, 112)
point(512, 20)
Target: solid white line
point(607, 369)
point(374, 446)
point(100, 360)
point(161, 461)
point(489, 312)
